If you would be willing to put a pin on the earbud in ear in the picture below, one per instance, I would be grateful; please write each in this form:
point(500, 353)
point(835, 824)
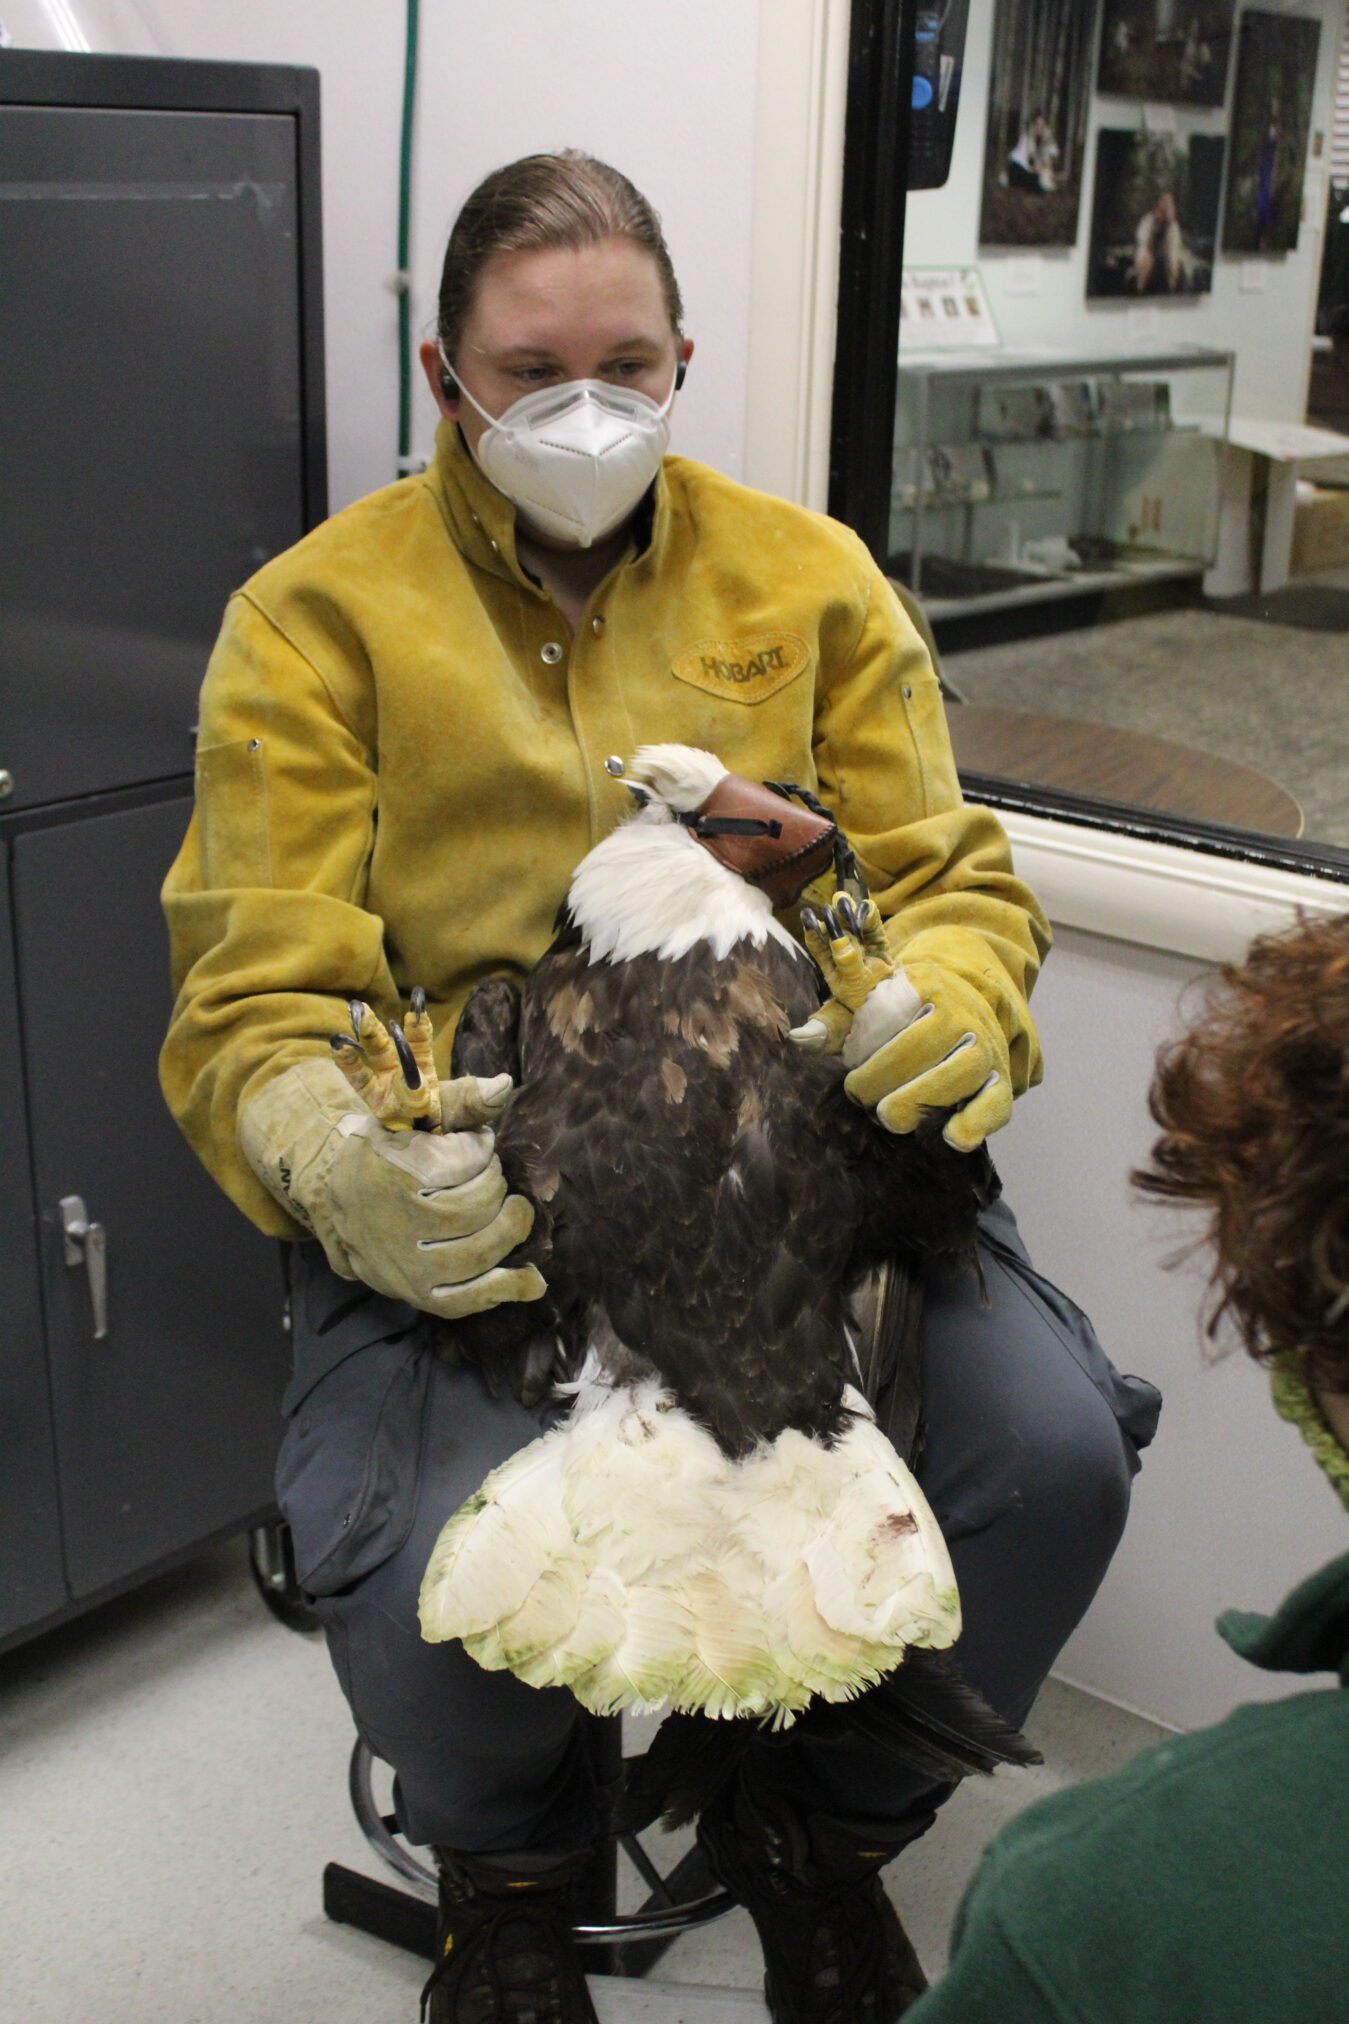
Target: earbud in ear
point(680, 371)
point(449, 386)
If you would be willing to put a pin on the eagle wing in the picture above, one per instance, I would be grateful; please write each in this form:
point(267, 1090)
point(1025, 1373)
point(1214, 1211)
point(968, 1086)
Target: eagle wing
point(487, 1037)
point(719, 1521)
point(706, 1195)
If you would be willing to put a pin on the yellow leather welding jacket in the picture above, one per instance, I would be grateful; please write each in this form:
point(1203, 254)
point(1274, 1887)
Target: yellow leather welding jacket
point(401, 756)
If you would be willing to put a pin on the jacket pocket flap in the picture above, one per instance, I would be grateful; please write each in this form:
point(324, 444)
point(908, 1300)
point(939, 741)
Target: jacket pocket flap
point(232, 814)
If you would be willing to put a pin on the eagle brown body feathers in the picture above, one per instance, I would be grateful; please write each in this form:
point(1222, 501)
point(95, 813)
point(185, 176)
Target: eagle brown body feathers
point(706, 1194)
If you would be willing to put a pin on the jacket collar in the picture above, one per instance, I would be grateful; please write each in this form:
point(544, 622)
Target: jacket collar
point(481, 520)
point(1308, 1633)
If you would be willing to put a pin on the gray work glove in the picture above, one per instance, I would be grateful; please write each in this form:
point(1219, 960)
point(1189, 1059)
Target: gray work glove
point(421, 1216)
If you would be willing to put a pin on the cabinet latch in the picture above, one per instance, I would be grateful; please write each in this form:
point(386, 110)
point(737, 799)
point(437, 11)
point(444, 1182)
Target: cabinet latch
point(86, 1244)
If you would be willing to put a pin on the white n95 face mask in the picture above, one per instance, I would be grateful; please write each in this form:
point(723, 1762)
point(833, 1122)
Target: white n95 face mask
point(575, 458)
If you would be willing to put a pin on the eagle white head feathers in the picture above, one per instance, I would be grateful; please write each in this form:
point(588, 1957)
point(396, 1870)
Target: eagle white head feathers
point(677, 777)
point(650, 888)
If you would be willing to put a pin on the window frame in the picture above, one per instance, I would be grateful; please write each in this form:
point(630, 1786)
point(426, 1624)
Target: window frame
point(862, 417)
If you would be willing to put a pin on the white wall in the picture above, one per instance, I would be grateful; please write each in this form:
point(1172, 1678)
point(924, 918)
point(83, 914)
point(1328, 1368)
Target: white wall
point(667, 94)
point(1261, 308)
point(1229, 1510)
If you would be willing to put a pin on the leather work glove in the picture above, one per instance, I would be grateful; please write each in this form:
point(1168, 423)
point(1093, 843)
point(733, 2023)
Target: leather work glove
point(419, 1215)
point(925, 1039)
point(916, 1037)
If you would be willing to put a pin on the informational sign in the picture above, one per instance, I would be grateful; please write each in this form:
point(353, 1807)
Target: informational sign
point(944, 309)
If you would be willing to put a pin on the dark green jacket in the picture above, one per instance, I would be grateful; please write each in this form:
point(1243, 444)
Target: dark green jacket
point(1206, 1883)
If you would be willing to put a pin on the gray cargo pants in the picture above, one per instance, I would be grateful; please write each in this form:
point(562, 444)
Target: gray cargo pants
point(1032, 1440)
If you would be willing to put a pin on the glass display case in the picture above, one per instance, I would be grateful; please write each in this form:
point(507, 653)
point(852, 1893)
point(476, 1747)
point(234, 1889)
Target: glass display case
point(1020, 477)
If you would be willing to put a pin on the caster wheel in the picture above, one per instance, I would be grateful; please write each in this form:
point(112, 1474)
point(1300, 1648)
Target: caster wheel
point(271, 1558)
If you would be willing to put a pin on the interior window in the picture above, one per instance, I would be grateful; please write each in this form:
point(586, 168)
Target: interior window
point(1119, 484)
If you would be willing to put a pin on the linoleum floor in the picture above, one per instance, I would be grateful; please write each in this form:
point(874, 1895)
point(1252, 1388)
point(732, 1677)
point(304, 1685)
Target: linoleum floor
point(173, 1779)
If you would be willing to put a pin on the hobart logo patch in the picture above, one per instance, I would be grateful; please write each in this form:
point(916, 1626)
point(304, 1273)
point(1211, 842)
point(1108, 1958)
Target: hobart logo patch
point(745, 671)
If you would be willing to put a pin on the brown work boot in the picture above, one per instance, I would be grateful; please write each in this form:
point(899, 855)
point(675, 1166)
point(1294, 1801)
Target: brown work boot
point(834, 1949)
point(504, 1937)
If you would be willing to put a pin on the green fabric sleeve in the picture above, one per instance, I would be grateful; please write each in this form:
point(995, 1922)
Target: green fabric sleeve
point(987, 1979)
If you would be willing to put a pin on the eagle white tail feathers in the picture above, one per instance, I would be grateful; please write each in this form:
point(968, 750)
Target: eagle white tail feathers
point(625, 1556)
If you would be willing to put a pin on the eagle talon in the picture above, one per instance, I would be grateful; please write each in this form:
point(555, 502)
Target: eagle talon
point(392, 1070)
point(407, 1060)
point(847, 942)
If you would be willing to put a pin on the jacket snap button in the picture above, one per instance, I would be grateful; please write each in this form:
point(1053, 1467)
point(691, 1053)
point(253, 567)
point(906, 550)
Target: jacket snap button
point(597, 623)
point(552, 653)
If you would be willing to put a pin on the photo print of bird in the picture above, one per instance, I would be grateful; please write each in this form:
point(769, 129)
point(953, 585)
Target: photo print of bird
point(716, 1523)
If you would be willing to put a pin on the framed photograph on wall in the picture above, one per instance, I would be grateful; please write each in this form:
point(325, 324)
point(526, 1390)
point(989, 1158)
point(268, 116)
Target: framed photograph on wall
point(1271, 114)
point(1037, 122)
point(1173, 51)
point(1155, 219)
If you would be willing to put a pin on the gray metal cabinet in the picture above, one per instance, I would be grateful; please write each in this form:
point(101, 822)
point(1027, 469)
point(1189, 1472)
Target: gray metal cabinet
point(32, 1576)
point(150, 389)
point(165, 1424)
point(161, 403)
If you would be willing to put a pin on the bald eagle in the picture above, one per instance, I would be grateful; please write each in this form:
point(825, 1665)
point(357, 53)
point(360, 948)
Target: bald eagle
point(716, 1523)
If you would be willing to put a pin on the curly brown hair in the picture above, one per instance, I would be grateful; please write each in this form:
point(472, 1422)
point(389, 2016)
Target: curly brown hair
point(1253, 1102)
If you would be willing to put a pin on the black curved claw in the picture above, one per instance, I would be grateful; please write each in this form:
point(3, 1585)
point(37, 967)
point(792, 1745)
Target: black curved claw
point(810, 919)
point(407, 1060)
point(340, 1041)
point(847, 871)
point(832, 924)
point(419, 1001)
point(355, 1009)
point(852, 918)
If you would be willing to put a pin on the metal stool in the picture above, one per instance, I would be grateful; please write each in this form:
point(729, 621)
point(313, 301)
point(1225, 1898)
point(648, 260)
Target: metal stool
point(610, 1942)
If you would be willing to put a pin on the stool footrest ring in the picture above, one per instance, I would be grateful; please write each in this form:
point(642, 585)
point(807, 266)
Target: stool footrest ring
point(376, 1907)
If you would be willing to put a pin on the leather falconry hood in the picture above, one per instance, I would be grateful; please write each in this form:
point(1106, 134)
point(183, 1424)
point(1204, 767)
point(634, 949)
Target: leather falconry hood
point(772, 842)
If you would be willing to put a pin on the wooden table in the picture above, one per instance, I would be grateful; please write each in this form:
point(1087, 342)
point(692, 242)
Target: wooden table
point(1103, 762)
point(1268, 458)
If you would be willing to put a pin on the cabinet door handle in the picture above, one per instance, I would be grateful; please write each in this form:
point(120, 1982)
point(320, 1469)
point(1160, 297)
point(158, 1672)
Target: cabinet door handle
point(86, 1244)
